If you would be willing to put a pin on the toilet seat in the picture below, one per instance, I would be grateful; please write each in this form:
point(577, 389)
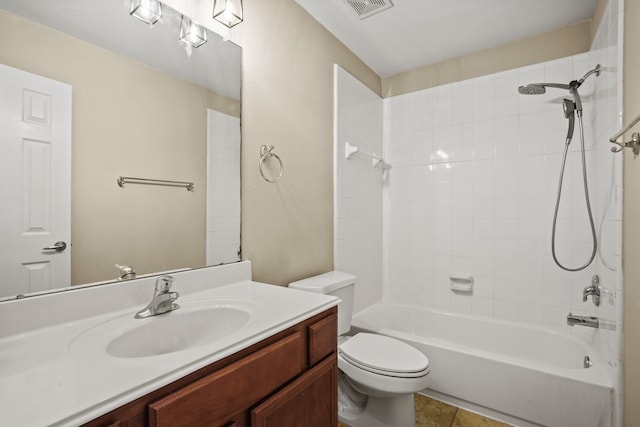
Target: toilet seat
point(384, 356)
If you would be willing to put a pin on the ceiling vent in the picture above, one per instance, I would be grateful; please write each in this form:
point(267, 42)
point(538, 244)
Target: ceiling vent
point(367, 8)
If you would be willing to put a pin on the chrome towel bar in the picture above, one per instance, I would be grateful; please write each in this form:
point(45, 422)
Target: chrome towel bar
point(634, 144)
point(122, 180)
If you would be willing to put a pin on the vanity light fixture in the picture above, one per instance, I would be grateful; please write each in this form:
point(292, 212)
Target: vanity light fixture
point(148, 11)
point(228, 12)
point(191, 33)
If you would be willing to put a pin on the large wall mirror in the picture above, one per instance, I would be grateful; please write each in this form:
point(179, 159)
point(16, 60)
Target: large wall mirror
point(89, 94)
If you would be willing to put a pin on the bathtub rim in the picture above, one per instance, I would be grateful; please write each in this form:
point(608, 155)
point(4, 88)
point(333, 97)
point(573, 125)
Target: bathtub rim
point(595, 375)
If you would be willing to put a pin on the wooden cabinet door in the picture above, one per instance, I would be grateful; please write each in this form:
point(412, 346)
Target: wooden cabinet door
point(310, 401)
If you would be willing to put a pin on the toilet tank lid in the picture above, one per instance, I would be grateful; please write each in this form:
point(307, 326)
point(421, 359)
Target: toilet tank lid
point(324, 283)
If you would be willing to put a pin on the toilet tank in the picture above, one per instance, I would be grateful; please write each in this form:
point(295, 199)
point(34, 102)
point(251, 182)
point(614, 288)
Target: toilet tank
point(337, 284)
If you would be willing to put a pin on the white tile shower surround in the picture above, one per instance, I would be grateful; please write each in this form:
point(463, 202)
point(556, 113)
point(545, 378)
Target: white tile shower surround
point(472, 191)
point(358, 187)
point(223, 188)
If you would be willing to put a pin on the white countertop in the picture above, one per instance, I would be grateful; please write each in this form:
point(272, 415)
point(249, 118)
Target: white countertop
point(45, 380)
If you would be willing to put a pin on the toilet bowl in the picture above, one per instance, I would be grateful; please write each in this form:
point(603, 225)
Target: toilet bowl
point(379, 374)
point(379, 365)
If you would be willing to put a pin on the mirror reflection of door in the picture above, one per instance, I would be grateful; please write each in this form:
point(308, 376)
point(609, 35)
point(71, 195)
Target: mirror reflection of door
point(35, 157)
point(223, 188)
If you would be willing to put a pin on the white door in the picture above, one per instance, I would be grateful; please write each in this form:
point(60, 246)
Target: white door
point(35, 182)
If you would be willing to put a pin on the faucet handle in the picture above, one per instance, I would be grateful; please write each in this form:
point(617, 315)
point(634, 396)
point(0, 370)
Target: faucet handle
point(593, 290)
point(126, 272)
point(163, 283)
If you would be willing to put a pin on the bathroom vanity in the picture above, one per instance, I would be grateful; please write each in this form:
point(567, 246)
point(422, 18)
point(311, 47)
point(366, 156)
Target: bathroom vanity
point(287, 379)
point(236, 353)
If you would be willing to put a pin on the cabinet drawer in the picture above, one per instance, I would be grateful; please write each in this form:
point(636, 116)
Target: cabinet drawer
point(323, 338)
point(210, 400)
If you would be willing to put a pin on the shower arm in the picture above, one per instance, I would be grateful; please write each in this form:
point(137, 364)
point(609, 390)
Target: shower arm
point(574, 85)
point(555, 85)
point(596, 70)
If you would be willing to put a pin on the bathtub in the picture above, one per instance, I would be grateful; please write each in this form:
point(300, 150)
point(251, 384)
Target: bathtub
point(520, 374)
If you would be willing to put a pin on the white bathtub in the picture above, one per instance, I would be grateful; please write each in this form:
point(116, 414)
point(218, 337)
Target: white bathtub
point(520, 374)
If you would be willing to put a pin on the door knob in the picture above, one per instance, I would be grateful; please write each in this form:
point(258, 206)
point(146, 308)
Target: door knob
point(57, 246)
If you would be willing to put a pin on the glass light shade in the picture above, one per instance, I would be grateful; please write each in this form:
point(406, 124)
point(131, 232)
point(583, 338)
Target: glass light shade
point(148, 11)
point(228, 12)
point(192, 33)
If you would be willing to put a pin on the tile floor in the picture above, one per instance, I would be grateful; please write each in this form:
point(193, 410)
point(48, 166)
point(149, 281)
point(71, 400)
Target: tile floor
point(433, 413)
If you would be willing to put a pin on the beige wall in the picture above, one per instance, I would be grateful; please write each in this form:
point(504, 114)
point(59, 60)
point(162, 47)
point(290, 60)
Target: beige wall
point(631, 227)
point(532, 50)
point(598, 13)
point(287, 101)
point(117, 130)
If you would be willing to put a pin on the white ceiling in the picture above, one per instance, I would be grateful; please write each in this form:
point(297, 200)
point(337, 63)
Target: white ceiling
point(415, 33)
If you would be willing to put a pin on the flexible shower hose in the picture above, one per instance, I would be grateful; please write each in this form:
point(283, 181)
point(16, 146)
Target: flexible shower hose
point(586, 197)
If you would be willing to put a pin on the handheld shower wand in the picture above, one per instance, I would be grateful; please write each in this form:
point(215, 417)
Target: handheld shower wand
point(571, 108)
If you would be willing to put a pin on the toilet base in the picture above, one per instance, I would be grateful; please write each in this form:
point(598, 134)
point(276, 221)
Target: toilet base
point(371, 411)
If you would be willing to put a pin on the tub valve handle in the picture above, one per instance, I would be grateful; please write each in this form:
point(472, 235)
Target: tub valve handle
point(593, 290)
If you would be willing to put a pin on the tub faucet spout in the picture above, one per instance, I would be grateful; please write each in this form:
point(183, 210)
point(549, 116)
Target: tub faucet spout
point(590, 321)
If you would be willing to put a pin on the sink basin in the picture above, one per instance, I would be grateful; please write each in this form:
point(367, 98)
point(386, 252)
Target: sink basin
point(177, 331)
point(195, 324)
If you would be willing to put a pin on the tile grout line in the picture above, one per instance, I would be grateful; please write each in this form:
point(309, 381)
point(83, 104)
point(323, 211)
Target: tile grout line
point(455, 414)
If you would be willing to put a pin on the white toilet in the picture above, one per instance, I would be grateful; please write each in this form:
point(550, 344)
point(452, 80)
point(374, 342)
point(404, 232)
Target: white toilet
point(379, 374)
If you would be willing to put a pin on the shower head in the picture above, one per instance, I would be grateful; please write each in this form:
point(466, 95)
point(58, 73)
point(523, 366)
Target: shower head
point(532, 89)
point(540, 88)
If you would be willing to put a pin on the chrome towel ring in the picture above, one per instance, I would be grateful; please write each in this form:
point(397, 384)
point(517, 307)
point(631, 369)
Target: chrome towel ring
point(267, 153)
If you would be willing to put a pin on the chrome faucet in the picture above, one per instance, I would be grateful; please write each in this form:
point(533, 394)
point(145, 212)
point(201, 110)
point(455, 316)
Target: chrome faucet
point(593, 290)
point(126, 272)
point(163, 299)
point(590, 321)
